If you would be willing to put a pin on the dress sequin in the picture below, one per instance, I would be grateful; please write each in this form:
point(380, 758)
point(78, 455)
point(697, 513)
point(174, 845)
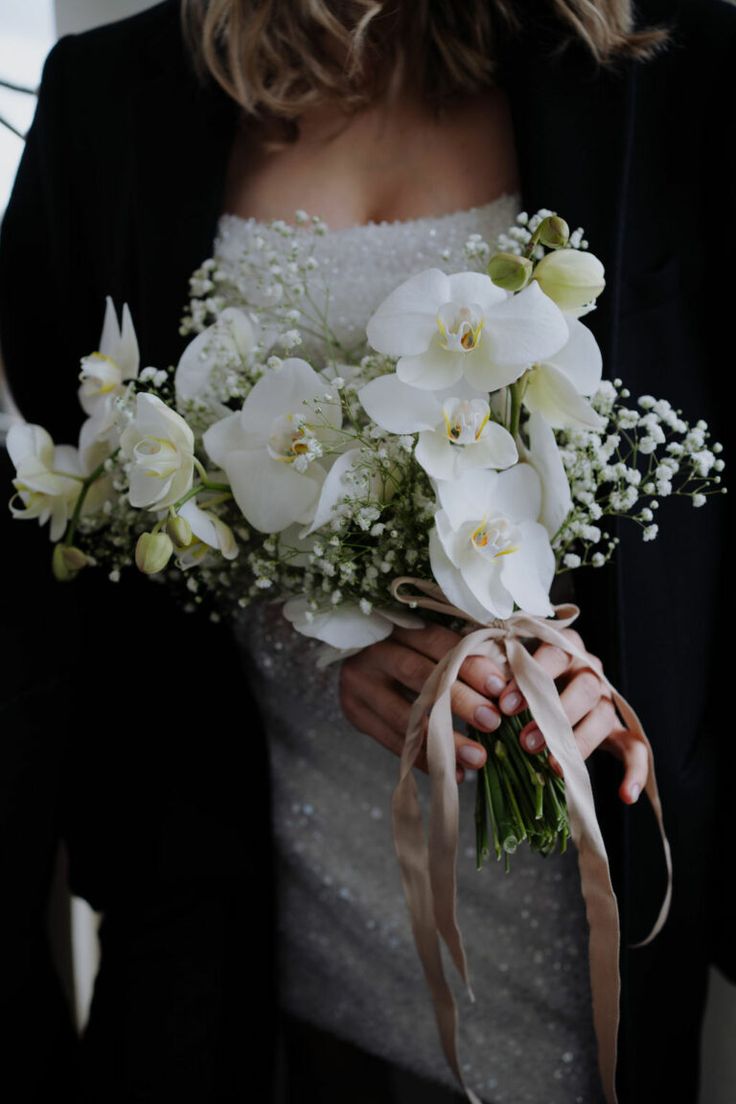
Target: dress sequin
point(347, 961)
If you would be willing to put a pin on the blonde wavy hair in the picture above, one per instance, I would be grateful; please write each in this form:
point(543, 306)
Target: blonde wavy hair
point(277, 58)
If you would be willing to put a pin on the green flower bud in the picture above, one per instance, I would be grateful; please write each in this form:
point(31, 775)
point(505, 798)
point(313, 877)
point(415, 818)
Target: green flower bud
point(554, 232)
point(180, 531)
point(572, 278)
point(152, 552)
point(510, 271)
point(67, 561)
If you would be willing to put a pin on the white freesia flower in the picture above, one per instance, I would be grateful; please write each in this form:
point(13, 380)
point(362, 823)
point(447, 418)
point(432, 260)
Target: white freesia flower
point(210, 532)
point(544, 456)
point(230, 339)
point(455, 428)
point(345, 627)
point(443, 327)
point(487, 549)
point(271, 449)
point(555, 386)
point(104, 374)
point(49, 477)
point(159, 446)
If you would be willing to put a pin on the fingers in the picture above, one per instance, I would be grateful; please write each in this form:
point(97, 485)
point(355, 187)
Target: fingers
point(412, 668)
point(554, 661)
point(374, 706)
point(435, 641)
point(634, 753)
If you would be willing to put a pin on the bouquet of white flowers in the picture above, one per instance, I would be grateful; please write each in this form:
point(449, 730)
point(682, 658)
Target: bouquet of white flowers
point(456, 463)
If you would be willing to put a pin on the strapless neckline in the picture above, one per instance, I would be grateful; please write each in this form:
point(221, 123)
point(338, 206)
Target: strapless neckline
point(371, 224)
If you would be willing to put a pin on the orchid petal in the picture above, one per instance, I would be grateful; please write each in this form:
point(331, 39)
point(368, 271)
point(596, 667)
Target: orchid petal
point(528, 573)
point(399, 408)
point(404, 322)
point(551, 393)
point(580, 359)
point(525, 328)
point(223, 438)
point(271, 494)
point(335, 487)
point(451, 582)
point(344, 627)
point(544, 455)
point(434, 369)
point(475, 287)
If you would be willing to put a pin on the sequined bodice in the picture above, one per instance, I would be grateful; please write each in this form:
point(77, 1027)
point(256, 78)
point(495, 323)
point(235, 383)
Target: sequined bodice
point(348, 961)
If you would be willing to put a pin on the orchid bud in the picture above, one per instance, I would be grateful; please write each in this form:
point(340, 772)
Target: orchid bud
point(510, 271)
point(572, 278)
point(180, 531)
point(554, 232)
point(67, 561)
point(152, 552)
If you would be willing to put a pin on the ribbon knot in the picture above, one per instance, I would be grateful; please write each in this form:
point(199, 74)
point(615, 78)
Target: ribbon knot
point(428, 867)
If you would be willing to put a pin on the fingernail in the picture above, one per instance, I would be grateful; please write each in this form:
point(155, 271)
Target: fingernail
point(487, 718)
point(533, 739)
point(495, 685)
point(472, 756)
point(634, 792)
point(511, 702)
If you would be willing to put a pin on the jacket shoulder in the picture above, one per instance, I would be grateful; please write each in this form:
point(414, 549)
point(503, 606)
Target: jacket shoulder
point(102, 66)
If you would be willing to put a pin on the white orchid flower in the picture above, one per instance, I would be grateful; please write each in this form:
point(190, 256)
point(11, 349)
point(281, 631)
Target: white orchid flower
point(454, 426)
point(228, 341)
point(49, 477)
point(555, 387)
point(159, 446)
point(445, 327)
point(544, 456)
point(104, 375)
point(488, 549)
point(210, 531)
point(346, 628)
point(271, 449)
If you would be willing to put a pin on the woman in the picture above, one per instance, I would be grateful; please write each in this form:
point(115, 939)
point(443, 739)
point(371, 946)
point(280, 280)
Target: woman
point(140, 231)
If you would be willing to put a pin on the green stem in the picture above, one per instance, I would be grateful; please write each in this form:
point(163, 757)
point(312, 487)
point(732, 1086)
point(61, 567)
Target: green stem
point(88, 481)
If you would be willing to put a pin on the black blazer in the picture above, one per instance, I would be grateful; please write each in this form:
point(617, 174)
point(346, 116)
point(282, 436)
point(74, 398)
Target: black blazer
point(119, 192)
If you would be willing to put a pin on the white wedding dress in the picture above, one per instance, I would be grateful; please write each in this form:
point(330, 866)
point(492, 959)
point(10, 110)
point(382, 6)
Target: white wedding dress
point(348, 963)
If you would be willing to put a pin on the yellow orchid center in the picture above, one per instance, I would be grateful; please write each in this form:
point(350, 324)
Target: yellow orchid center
point(465, 420)
point(495, 537)
point(460, 326)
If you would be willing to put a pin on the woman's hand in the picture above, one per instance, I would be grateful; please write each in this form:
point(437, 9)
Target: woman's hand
point(375, 685)
point(378, 685)
point(589, 709)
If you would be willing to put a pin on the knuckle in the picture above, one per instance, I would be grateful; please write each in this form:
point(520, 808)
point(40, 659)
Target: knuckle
point(462, 701)
point(587, 684)
point(574, 638)
point(595, 662)
point(557, 656)
point(408, 666)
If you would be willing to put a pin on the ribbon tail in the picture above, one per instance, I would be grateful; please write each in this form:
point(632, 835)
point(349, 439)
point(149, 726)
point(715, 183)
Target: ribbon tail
point(595, 879)
point(652, 791)
point(428, 873)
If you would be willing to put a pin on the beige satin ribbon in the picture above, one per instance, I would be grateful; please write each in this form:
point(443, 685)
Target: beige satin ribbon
point(428, 869)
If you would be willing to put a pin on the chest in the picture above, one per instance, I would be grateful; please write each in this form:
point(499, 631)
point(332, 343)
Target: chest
point(381, 164)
